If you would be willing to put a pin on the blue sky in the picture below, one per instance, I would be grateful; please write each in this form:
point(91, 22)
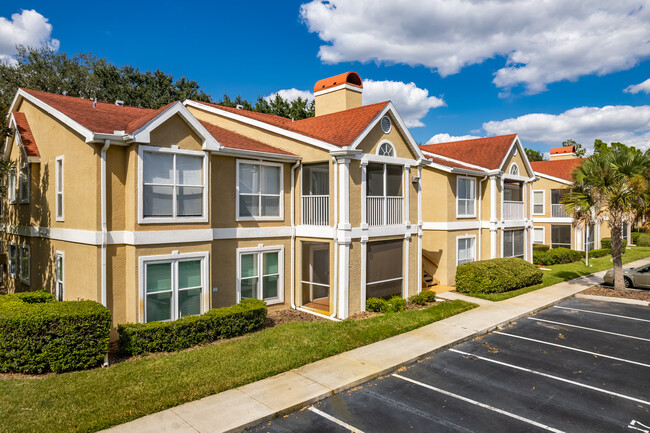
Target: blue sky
point(452, 67)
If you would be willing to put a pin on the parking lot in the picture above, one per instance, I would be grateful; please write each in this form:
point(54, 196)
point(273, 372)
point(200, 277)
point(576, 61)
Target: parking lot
point(581, 366)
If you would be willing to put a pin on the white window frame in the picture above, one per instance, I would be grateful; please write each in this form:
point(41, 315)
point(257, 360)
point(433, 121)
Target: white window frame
point(22, 248)
point(24, 187)
point(473, 181)
point(60, 294)
point(11, 186)
point(281, 203)
point(543, 201)
point(260, 257)
point(174, 150)
point(9, 259)
point(503, 243)
point(543, 229)
point(473, 249)
point(390, 145)
point(59, 171)
point(143, 261)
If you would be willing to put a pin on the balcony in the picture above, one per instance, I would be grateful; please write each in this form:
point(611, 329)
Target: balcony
point(316, 210)
point(513, 210)
point(384, 210)
point(557, 211)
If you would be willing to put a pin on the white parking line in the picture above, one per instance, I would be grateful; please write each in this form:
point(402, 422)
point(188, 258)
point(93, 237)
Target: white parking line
point(478, 403)
point(335, 420)
point(574, 348)
point(550, 376)
point(589, 329)
point(604, 314)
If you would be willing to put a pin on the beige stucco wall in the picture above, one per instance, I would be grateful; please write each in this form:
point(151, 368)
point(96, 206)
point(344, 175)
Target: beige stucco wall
point(338, 100)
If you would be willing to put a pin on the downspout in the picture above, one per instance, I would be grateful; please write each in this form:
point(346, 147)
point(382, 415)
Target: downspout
point(104, 294)
point(480, 218)
point(293, 234)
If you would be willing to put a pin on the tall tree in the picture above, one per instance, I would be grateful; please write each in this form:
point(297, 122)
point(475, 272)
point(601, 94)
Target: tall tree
point(580, 151)
point(534, 155)
point(612, 184)
point(295, 109)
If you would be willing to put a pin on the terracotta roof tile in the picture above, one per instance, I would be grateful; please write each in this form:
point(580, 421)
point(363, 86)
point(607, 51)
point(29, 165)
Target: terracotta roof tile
point(486, 152)
point(451, 164)
point(233, 140)
point(561, 150)
point(139, 122)
point(562, 168)
point(25, 132)
point(351, 78)
point(339, 129)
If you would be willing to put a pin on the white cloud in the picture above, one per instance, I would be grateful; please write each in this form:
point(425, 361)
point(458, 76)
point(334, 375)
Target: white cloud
point(291, 94)
point(445, 138)
point(623, 123)
point(542, 42)
point(641, 87)
point(28, 28)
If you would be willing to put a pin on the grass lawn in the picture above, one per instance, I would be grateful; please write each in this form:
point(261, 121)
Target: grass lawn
point(96, 399)
point(568, 271)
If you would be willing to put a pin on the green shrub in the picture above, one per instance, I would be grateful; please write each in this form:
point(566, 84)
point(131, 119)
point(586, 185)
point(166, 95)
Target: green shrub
point(607, 244)
point(556, 256)
point(396, 304)
point(38, 335)
point(594, 254)
point(635, 237)
point(537, 247)
point(496, 275)
point(423, 297)
point(376, 305)
point(643, 240)
point(227, 322)
point(35, 297)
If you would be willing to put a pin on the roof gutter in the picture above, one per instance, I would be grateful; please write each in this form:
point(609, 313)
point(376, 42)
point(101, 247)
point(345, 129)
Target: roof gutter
point(256, 154)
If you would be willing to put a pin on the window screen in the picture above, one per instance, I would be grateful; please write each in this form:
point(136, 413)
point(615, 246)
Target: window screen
point(384, 269)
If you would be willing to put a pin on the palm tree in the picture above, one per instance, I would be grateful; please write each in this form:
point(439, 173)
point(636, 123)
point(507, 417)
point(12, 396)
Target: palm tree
point(579, 202)
point(611, 184)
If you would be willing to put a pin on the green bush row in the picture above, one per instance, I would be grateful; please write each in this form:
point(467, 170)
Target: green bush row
point(227, 322)
point(381, 305)
point(642, 240)
point(556, 256)
point(538, 247)
point(607, 244)
point(423, 297)
point(38, 335)
point(496, 275)
point(594, 254)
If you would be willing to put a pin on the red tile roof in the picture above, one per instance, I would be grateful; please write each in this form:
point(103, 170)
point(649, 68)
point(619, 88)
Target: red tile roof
point(561, 150)
point(488, 152)
point(562, 168)
point(451, 164)
point(233, 140)
point(340, 128)
point(104, 118)
point(351, 78)
point(25, 132)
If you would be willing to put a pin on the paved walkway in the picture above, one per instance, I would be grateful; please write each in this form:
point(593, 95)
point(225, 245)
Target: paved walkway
point(251, 404)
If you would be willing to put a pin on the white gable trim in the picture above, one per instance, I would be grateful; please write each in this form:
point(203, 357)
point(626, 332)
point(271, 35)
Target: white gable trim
point(553, 178)
point(457, 161)
point(263, 125)
point(517, 142)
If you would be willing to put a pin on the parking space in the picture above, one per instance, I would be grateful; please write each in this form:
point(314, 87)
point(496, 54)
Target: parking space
point(581, 366)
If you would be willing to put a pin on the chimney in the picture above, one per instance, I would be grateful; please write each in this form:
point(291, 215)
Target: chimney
point(566, 152)
point(338, 93)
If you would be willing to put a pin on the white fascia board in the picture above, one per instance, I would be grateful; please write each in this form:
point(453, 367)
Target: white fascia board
point(457, 161)
point(263, 125)
point(553, 178)
point(82, 130)
point(339, 87)
point(469, 172)
point(143, 135)
point(267, 156)
point(517, 142)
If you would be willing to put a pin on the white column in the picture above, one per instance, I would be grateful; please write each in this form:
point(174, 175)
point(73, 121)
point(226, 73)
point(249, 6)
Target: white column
point(364, 200)
point(419, 188)
point(407, 196)
point(343, 236)
point(344, 193)
point(364, 266)
point(405, 252)
point(344, 279)
point(493, 217)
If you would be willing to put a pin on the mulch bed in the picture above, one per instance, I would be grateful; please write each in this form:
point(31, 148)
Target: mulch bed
point(640, 295)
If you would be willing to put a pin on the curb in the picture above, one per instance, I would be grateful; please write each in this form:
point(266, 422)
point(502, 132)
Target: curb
point(613, 299)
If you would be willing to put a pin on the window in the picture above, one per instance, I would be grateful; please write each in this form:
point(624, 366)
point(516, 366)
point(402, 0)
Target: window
point(466, 251)
point(24, 263)
point(59, 261)
point(386, 149)
point(260, 274)
point(538, 202)
point(513, 243)
point(513, 191)
point(538, 235)
point(384, 267)
point(173, 287)
point(11, 186)
point(259, 190)
point(514, 169)
point(12, 260)
point(173, 184)
point(315, 194)
point(58, 168)
point(384, 194)
point(315, 275)
point(561, 236)
point(23, 184)
point(386, 124)
point(465, 197)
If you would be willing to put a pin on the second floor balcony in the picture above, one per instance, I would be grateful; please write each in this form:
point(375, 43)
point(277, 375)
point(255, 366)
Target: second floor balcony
point(558, 211)
point(383, 211)
point(316, 210)
point(513, 210)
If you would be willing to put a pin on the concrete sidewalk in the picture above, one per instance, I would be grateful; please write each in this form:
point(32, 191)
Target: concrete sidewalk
point(235, 409)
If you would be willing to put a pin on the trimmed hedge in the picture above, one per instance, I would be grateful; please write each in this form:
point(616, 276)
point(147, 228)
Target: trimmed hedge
point(227, 322)
point(496, 275)
point(594, 254)
point(538, 247)
point(423, 297)
point(381, 305)
point(556, 256)
point(38, 335)
point(643, 240)
point(607, 244)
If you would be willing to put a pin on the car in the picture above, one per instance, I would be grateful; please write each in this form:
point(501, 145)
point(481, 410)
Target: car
point(634, 277)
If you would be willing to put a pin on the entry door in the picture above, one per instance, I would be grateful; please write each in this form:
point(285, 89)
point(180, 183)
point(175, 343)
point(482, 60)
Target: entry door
point(319, 254)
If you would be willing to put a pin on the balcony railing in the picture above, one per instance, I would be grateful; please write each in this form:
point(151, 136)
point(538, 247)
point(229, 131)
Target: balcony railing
point(384, 211)
point(557, 211)
point(513, 210)
point(316, 210)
